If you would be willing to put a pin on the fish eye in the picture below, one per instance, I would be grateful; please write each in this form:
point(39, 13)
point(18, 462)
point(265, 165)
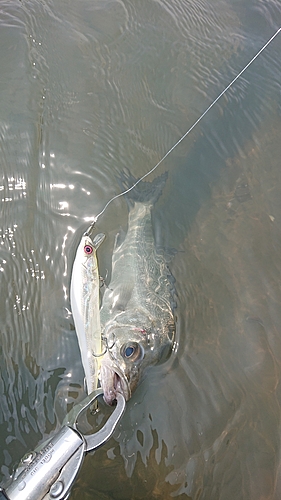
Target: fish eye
point(88, 249)
point(129, 351)
point(132, 351)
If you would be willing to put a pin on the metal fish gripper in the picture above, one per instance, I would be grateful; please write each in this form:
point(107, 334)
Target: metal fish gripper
point(48, 472)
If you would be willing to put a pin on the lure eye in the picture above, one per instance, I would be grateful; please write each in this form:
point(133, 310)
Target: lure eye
point(132, 351)
point(88, 249)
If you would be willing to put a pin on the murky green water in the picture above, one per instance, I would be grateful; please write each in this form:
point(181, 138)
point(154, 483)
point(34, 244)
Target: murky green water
point(86, 89)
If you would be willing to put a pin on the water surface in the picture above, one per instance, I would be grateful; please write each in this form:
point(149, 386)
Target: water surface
point(86, 90)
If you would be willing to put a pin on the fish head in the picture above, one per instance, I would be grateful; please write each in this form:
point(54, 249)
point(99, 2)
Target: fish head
point(130, 351)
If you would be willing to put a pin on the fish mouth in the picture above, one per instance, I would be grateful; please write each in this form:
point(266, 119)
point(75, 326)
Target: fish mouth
point(112, 382)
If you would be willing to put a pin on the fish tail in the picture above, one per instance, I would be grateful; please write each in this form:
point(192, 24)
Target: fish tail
point(143, 192)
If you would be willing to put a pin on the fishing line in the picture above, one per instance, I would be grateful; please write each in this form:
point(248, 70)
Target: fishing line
point(191, 128)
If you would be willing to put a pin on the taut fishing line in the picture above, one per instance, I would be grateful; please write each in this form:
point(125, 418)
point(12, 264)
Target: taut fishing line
point(191, 128)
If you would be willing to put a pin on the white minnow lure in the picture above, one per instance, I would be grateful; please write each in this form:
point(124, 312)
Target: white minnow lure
point(85, 305)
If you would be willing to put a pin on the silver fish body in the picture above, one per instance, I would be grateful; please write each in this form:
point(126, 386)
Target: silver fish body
point(136, 315)
point(85, 305)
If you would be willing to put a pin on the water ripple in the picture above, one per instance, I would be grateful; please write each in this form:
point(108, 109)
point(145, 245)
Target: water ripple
point(88, 89)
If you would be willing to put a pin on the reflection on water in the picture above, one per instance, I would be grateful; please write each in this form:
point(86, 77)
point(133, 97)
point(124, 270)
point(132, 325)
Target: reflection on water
point(86, 90)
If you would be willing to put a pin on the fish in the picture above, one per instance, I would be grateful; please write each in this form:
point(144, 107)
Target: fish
point(85, 305)
point(137, 311)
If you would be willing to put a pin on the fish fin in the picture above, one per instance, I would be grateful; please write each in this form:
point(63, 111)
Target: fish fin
point(119, 238)
point(85, 387)
point(143, 192)
point(167, 252)
point(98, 239)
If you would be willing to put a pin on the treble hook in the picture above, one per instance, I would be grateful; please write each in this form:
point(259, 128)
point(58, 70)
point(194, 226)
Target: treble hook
point(107, 347)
